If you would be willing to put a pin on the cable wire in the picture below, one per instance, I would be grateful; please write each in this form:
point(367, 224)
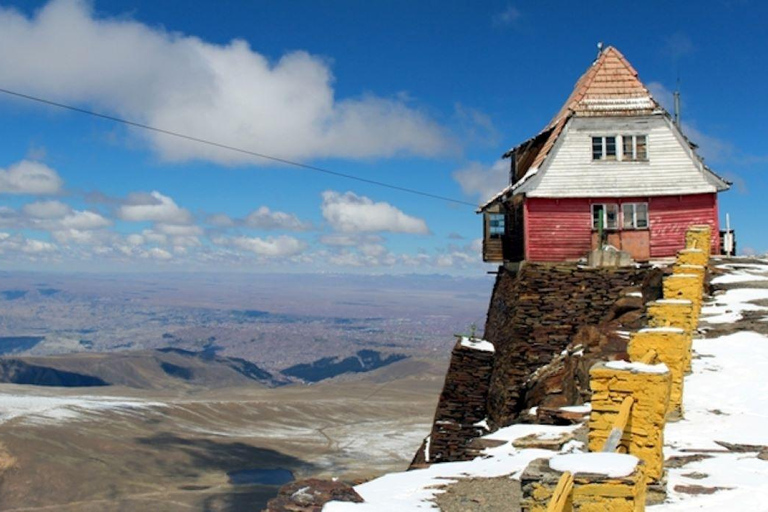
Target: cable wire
point(234, 148)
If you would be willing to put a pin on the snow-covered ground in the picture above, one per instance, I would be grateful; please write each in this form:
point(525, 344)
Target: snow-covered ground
point(41, 409)
point(413, 490)
point(725, 399)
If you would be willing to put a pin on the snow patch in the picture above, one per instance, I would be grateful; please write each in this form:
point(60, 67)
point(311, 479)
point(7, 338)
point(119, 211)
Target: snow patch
point(473, 343)
point(41, 409)
point(637, 367)
point(613, 465)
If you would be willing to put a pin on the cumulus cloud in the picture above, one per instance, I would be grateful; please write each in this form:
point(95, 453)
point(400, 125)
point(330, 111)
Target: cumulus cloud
point(178, 230)
point(264, 218)
point(270, 247)
point(29, 177)
point(350, 213)
point(84, 220)
point(482, 181)
point(349, 240)
point(228, 93)
point(15, 243)
point(220, 220)
point(46, 209)
point(154, 207)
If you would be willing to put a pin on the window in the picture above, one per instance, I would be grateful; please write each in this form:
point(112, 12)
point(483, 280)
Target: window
point(634, 215)
point(496, 225)
point(604, 148)
point(605, 216)
point(635, 147)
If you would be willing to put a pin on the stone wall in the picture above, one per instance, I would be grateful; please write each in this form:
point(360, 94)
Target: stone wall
point(532, 317)
point(461, 409)
point(535, 313)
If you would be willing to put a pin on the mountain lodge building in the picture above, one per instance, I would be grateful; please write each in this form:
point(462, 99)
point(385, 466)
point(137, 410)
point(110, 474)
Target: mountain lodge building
point(611, 168)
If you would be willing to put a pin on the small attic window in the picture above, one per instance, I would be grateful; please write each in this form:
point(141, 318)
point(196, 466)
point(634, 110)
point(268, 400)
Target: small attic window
point(635, 147)
point(604, 148)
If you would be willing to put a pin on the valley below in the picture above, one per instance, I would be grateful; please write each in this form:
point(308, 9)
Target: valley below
point(202, 392)
point(118, 448)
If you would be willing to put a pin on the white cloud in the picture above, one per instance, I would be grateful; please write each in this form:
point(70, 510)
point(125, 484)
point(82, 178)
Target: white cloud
point(83, 220)
point(663, 95)
point(46, 209)
point(220, 220)
point(270, 247)
point(264, 218)
point(153, 207)
point(37, 246)
point(158, 254)
point(349, 240)
point(179, 230)
point(28, 177)
point(350, 213)
point(481, 181)
point(227, 93)
point(18, 243)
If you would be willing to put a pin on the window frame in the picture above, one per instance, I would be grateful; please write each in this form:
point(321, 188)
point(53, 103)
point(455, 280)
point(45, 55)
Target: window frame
point(606, 207)
point(634, 221)
point(633, 156)
point(604, 156)
point(493, 231)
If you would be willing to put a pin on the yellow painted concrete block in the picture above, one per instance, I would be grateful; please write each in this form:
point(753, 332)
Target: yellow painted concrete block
point(650, 387)
point(591, 492)
point(672, 313)
point(673, 348)
point(692, 257)
point(684, 286)
point(699, 237)
point(699, 270)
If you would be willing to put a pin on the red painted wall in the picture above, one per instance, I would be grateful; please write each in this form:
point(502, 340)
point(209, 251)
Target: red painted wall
point(671, 216)
point(557, 229)
point(560, 229)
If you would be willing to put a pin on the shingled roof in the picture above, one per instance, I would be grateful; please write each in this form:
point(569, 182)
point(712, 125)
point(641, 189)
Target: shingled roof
point(610, 87)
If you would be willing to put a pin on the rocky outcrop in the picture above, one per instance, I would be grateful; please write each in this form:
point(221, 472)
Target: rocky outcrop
point(548, 324)
point(310, 495)
point(536, 313)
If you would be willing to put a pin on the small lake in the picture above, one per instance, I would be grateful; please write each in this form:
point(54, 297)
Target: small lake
point(277, 476)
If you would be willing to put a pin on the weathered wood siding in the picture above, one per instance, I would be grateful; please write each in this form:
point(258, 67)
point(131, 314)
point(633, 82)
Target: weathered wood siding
point(671, 216)
point(570, 170)
point(561, 229)
point(558, 229)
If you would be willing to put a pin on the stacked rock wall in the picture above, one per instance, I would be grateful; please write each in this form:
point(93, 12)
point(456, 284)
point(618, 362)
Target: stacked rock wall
point(534, 315)
point(461, 409)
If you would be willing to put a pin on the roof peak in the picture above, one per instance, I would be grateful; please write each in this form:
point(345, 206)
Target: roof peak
point(609, 87)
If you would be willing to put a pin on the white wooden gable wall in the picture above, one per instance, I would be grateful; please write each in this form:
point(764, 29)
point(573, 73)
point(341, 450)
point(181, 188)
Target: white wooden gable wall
point(570, 171)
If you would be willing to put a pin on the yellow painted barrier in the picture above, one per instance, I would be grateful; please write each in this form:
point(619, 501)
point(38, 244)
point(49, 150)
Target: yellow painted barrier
point(561, 499)
point(649, 387)
point(672, 346)
point(699, 237)
point(693, 257)
point(672, 313)
point(590, 493)
point(684, 286)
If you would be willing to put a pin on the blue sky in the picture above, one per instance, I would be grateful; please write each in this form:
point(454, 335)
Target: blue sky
point(425, 95)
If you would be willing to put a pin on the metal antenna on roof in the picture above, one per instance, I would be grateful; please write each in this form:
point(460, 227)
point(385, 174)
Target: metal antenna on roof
point(677, 103)
point(599, 49)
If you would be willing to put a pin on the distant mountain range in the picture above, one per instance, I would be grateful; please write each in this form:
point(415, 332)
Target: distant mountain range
point(172, 367)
